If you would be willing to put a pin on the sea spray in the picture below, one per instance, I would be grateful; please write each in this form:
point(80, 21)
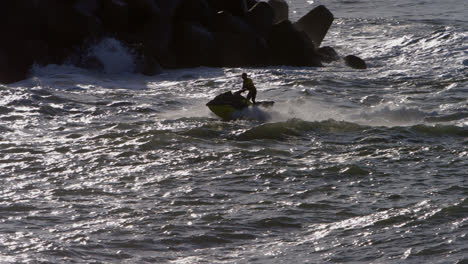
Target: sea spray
point(114, 57)
point(252, 113)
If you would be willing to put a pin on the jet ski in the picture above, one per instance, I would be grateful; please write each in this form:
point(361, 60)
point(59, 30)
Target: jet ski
point(230, 106)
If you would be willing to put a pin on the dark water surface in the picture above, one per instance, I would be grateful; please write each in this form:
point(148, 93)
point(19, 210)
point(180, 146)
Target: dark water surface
point(349, 166)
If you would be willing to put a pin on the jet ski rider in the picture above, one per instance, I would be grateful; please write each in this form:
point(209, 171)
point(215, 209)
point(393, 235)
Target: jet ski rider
point(248, 85)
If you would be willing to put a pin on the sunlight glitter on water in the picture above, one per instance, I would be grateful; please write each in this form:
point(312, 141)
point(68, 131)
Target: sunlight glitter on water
point(353, 166)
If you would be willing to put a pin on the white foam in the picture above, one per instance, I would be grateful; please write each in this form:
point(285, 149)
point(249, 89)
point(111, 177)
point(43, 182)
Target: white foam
point(115, 57)
point(389, 114)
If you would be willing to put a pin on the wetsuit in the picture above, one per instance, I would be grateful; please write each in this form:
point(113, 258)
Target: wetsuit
point(248, 85)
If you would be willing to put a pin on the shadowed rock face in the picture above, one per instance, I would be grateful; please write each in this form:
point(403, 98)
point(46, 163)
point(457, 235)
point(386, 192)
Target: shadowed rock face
point(226, 22)
point(235, 7)
point(14, 68)
point(194, 45)
point(289, 46)
point(260, 18)
point(195, 11)
point(235, 51)
point(161, 33)
point(280, 10)
point(316, 24)
point(355, 62)
point(15, 57)
point(43, 32)
point(328, 54)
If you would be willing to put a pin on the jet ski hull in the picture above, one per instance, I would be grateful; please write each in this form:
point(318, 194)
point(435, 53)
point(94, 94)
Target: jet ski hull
point(226, 112)
point(229, 106)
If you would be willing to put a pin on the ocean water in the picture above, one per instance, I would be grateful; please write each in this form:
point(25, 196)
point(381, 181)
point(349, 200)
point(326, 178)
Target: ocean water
point(349, 166)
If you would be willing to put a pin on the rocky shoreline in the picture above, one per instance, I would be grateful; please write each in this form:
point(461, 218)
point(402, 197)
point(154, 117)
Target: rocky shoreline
point(163, 34)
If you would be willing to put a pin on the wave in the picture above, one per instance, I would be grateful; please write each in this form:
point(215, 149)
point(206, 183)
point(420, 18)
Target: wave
point(300, 128)
point(114, 57)
point(393, 115)
point(297, 127)
point(447, 118)
point(441, 130)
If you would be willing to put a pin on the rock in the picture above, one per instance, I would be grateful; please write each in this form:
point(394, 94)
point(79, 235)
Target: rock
point(17, 55)
point(46, 31)
point(316, 24)
point(19, 21)
point(115, 16)
point(236, 50)
point(87, 7)
point(328, 54)
point(260, 17)
point(195, 11)
point(13, 66)
point(159, 44)
point(37, 50)
point(280, 10)
point(143, 7)
point(225, 22)
point(66, 28)
point(159, 33)
point(235, 7)
point(150, 66)
point(194, 45)
point(355, 62)
point(162, 33)
point(169, 7)
point(289, 46)
point(251, 3)
point(140, 12)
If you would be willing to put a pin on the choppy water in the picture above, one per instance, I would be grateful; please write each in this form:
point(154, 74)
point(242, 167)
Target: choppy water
point(349, 166)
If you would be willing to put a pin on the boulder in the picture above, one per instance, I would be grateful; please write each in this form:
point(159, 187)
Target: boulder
point(241, 49)
point(143, 7)
point(37, 50)
point(17, 55)
point(158, 33)
point(140, 12)
point(19, 20)
point(328, 54)
point(163, 33)
point(316, 24)
point(260, 18)
point(158, 39)
point(235, 7)
point(115, 16)
point(87, 7)
point(169, 7)
point(355, 62)
point(198, 11)
point(194, 45)
point(66, 28)
point(45, 31)
point(225, 22)
point(13, 66)
point(280, 10)
point(289, 46)
point(251, 3)
point(149, 66)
